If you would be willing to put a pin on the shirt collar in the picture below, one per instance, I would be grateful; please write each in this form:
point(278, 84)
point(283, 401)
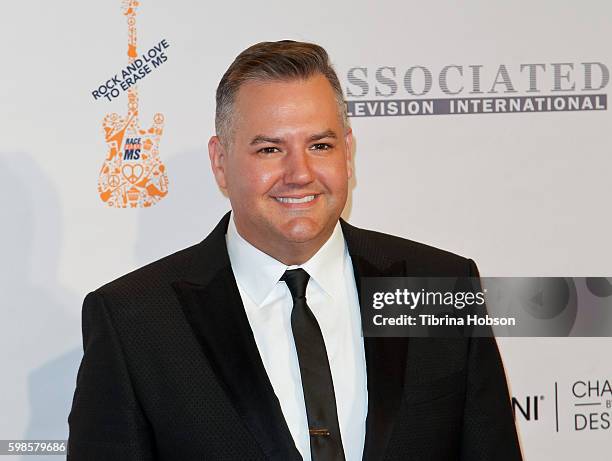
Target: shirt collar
point(326, 267)
point(258, 273)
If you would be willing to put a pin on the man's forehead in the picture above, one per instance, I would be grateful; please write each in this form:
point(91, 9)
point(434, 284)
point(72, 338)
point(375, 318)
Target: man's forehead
point(285, 109)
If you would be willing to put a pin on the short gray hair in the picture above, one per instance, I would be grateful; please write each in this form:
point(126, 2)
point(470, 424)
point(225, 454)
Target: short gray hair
point(284, 60)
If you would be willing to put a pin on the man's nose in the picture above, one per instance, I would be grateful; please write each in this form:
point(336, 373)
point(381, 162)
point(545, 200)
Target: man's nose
point(298, 167)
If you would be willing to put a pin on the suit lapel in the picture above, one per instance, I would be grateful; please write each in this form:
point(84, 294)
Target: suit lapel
point(214, 310)
point(385, 357)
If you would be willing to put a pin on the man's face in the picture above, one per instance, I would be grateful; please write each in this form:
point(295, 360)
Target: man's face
point(287, 166)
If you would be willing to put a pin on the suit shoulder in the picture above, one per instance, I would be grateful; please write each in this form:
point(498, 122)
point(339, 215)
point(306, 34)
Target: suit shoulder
point(424, 258)
point(151, 277)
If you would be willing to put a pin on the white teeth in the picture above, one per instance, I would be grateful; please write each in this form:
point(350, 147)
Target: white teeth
point(308, 198)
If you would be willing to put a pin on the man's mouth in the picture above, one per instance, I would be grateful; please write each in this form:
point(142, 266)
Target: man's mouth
point(304, 199)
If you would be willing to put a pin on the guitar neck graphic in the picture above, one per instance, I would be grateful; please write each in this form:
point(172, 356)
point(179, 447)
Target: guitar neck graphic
point(132, 175)
point(130, 12)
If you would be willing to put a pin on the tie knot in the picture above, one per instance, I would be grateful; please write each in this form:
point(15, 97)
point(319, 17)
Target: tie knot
point(296, 280)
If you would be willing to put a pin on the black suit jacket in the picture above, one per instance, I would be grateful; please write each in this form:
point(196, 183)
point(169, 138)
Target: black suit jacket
point(171, 370)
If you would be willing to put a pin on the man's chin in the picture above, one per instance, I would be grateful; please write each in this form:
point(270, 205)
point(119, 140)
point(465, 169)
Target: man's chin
point(302, 230)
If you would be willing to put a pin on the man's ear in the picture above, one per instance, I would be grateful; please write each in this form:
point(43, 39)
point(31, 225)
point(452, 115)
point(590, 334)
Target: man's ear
point(217, 155)
point(348, 140)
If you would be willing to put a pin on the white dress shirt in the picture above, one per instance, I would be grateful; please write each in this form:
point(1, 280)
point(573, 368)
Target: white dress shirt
point(332, 296)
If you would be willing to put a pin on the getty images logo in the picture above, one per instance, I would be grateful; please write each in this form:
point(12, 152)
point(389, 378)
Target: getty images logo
point(476, 89)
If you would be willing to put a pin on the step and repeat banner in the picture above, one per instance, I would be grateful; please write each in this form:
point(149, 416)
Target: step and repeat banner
point(481, 127)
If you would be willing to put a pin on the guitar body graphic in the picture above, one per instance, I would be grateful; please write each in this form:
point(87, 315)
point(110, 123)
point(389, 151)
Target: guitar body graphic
point(133, 175)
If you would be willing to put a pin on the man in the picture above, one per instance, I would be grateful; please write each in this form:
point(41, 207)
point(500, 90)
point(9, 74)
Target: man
point(248, 345)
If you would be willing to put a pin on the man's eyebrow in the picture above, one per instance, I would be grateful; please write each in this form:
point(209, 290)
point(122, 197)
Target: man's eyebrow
point(323, 134)
point(262, 139)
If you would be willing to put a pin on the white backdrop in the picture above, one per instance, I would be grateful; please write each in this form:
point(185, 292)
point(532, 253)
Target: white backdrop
point(524, 194)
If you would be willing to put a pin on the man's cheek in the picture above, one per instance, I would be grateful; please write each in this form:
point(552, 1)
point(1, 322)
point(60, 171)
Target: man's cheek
point(264, 180)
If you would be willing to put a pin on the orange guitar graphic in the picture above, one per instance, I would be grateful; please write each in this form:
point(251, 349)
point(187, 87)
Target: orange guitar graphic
point(132, 175)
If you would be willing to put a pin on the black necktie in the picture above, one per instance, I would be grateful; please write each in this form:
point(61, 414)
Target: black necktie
point(317, 384)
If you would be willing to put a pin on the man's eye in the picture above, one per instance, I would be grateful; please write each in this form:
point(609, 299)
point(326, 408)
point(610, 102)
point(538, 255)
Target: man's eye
point(268, 150)
point(321, 146)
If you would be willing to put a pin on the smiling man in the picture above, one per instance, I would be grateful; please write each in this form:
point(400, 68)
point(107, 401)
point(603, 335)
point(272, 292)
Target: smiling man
point(285, 162)
point(249, 344)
